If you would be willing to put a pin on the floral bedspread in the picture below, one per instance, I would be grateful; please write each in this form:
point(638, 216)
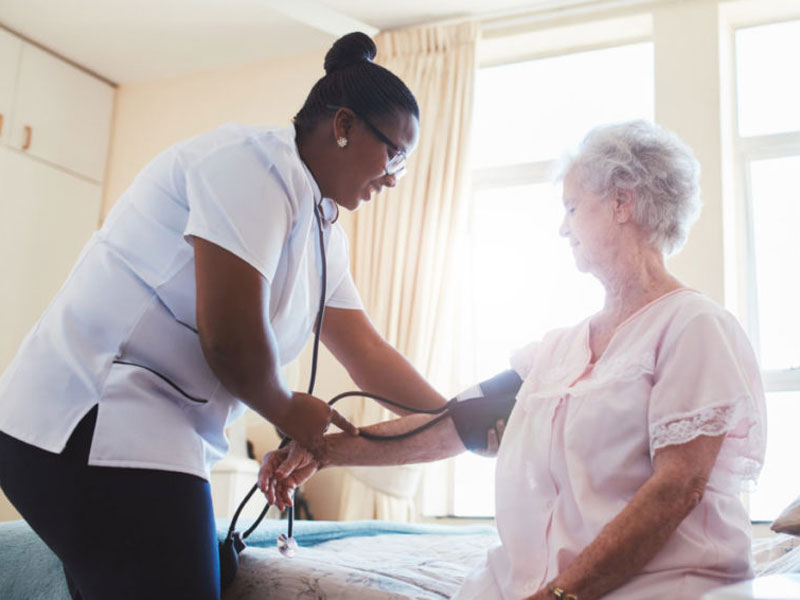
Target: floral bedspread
point(380, 567)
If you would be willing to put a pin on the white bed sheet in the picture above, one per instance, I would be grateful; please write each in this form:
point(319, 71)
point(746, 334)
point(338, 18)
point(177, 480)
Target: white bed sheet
point(395, 566)
point(381, 567)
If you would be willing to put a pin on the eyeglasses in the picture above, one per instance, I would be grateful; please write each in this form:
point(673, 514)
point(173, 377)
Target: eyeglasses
point(397, 163)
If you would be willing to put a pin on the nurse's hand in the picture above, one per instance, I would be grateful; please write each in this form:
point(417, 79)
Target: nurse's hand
point(305, 419)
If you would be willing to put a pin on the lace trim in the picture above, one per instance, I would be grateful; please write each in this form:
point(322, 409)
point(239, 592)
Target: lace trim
point(623, 368)
point(739, 455)
point(714, 420)
point(619, 369)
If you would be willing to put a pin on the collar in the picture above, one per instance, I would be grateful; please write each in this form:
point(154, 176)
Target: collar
point(327, 206)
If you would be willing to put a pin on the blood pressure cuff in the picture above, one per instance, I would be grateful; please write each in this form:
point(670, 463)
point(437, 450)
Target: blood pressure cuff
point(477, 410)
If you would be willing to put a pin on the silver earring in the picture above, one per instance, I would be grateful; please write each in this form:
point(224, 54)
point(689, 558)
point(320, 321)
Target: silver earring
point(341, 141)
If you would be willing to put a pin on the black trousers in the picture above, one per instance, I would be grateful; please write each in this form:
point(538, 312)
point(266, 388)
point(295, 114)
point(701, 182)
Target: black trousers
point(127, 534)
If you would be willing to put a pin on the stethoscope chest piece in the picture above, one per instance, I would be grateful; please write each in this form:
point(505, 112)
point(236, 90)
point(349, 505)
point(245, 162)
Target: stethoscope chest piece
point(287, 545)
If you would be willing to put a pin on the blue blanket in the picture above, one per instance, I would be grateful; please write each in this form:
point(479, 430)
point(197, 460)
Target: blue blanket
point(30, 571)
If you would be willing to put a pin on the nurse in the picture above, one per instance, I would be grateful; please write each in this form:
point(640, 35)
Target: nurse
point(205, 278)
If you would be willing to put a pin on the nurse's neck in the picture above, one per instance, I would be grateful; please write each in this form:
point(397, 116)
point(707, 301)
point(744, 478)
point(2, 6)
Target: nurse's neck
point(318, 151)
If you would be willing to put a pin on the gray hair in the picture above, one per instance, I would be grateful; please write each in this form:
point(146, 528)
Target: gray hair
point(660, 168)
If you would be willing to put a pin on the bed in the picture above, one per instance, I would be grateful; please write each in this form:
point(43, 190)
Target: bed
point(367, 560)
point(359, 560)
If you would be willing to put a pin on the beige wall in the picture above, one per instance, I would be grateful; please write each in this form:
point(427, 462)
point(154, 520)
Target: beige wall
point(151, 116)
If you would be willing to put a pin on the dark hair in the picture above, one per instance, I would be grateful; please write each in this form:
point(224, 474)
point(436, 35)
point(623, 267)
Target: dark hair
point(353, 80)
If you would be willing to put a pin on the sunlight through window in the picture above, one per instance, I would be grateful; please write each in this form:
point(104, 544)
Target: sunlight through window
point(523, 276)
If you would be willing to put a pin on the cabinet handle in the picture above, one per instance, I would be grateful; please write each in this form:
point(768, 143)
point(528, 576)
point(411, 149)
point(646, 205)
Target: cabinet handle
point(28, 136)
point(1, 123)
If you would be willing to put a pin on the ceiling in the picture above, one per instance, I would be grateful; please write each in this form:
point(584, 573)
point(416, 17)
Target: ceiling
point(126, 41)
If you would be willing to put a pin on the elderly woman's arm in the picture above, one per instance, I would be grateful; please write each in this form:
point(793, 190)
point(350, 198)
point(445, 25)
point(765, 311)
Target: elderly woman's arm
point(283, 470)
point(641, 529)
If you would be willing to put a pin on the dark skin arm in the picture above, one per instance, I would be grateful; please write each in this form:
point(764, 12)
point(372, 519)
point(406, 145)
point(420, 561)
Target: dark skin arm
point(240, 346)
point(373, 364)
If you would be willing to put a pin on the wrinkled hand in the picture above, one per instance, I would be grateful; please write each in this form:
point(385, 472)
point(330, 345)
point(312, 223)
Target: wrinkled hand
point(305, 418)
point(283, 470)
point(493, 439)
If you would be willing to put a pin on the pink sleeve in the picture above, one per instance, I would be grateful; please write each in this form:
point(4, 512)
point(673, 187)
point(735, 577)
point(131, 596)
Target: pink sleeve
point(522, 360)
point(707, 382)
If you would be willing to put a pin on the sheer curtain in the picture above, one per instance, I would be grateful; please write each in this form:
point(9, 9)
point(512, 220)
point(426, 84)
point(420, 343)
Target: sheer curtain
point(405, 244)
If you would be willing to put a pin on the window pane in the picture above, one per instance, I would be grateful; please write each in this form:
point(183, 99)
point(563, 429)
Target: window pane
point(530, 111)
point(778, 484)
point(474, 486)
point(768, 85)
point(776, 216)
point(527, 284)
point(528, 280)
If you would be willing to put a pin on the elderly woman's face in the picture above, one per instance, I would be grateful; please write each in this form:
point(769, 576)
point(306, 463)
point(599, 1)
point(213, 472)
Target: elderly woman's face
point(588, 224)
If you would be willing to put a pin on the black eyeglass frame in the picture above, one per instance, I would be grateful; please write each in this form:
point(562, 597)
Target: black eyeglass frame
point(396, 163)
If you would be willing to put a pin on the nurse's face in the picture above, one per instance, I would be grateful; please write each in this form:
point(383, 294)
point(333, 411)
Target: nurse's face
point(374, 157)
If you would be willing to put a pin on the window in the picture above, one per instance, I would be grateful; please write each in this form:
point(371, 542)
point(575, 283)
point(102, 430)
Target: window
point(769, 150)
point(523, 280)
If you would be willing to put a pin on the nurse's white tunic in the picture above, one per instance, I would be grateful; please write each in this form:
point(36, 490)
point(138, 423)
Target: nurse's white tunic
point(125, 318)
point(581, 439)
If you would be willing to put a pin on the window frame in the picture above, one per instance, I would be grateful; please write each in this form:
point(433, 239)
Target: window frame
point(747, 150)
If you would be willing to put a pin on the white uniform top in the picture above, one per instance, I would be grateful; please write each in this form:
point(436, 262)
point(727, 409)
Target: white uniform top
point(125, 320)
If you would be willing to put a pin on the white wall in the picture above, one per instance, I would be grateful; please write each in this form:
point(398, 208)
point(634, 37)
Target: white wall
point(151, 116)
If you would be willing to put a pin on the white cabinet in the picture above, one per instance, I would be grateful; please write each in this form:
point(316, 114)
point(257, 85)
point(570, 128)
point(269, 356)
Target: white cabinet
point(53, 148)
point(61, 114)
point(46, 216)
point(10, 50)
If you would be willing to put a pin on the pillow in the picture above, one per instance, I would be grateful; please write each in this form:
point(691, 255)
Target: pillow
point(789, 520)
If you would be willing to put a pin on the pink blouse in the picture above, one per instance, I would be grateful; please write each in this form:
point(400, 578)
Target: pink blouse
point(580, 444)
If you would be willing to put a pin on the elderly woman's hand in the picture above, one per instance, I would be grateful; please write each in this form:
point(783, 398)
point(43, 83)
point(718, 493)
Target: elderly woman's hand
point(283, 470)
point(493, 439)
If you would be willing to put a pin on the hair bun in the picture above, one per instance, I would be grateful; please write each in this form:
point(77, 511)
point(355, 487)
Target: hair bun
point(349, 50)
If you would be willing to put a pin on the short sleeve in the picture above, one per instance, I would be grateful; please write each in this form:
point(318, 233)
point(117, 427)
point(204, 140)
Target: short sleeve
point(522, 360)
point(239, 202)
point(345, 295)
point(707, 382)
point(342, 289)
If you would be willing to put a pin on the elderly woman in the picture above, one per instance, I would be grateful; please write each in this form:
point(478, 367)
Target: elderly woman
point(620, 466)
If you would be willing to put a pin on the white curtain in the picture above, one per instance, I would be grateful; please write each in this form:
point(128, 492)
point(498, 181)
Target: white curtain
point(404, 245)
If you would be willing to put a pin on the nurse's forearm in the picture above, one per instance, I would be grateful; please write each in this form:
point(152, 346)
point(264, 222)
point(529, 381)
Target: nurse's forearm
point(374, 365)
point(437, 442)
point(389, 374)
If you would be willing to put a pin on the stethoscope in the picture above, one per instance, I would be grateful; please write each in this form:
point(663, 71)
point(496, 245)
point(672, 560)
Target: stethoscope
point(233, 543)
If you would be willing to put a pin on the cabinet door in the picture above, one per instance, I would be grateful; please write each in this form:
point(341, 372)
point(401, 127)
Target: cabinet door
point(67, 111)
point(46, 216)
point(10, 49)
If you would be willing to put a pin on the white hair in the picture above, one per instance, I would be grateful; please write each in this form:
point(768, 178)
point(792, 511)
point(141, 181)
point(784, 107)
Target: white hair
point(661, 170)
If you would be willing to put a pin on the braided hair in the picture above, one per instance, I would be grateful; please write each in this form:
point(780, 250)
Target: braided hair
point(353, 80)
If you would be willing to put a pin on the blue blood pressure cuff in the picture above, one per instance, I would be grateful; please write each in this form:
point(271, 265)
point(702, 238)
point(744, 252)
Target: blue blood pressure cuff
point(476, 410)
